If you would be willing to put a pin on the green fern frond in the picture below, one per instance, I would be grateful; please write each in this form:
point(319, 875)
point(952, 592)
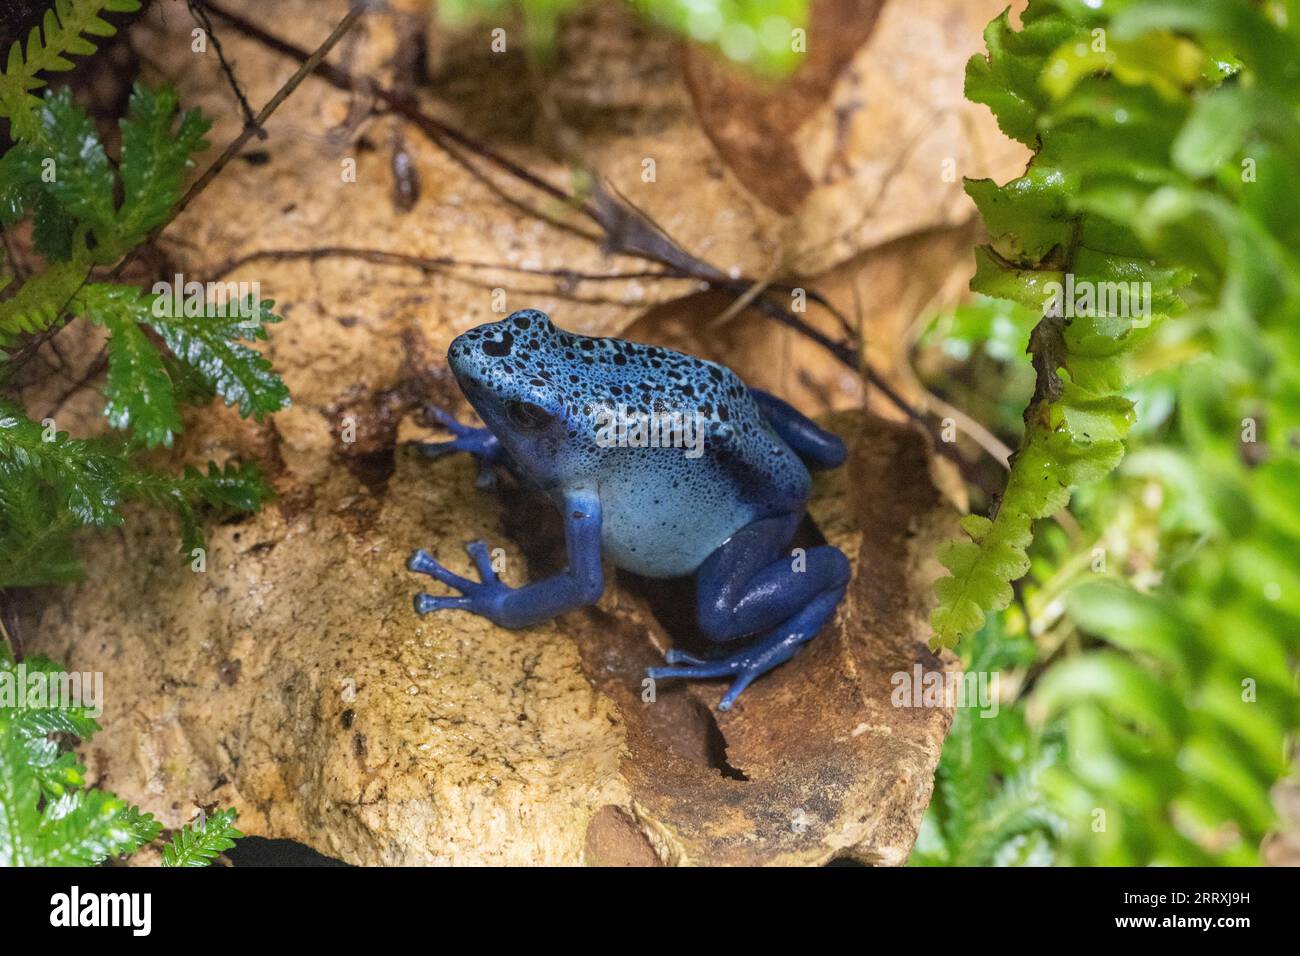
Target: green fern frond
point(17, 182)
point(156, 153)
point(87, 473)
point(52, 484)
point(143, 827)
point(210, 344)
point(36, 534)
point(82, 828)
point(1166, 137)
point(82, 180)
point(1064, 225)
point(237, 486)
point(60, 35)
point(69, 184)
point(138, 394)
point(41, 300)
point(197, 844)
point(140, 391)
point(47, 818)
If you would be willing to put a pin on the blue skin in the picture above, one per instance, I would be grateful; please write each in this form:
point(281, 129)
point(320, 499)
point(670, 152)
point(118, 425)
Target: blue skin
point(726, 516)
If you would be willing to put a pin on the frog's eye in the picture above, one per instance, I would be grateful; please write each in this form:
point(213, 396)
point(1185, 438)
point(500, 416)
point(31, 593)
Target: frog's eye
point(528, 416)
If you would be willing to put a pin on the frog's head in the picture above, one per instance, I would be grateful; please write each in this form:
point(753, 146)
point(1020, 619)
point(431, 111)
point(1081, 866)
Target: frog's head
point(511, 373)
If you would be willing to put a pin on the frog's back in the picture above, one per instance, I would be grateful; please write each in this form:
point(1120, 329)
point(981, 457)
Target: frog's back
point(666, 509)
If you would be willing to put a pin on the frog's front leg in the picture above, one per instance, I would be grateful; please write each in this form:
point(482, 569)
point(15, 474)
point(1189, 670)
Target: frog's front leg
point(581, 583)
point(480, 443)
point(747, 587)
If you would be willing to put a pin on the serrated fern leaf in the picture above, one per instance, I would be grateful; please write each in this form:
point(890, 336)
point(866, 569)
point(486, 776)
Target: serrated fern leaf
point(81, 179)
point(20, 794)
point(210, 344)
point(1006, 80)
point(1060, 245)
point(18, 178)
point(86, 474)
point(35, 727)
point(84, 828)
point(35, 534)
point(69, 184)
point(61, 34)
point(236, 486)
point(142, 826)
point(197, 844)
point(139, 393)
point(1018, 809)
point(47, 818)
point(207, 341)
point(42, 299)
point(73, 719)
point(54, 232)
point(51, 485)
point(156, 153)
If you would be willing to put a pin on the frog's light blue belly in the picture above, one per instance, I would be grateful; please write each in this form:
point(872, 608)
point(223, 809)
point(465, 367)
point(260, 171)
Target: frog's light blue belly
point(653, 529)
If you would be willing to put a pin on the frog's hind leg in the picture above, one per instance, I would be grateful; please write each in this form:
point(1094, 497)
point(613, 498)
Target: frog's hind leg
point(748, 587)
point(817, 447)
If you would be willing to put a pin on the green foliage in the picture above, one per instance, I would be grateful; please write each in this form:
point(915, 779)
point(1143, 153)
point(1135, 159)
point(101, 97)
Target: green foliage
point(156, 151)
point(989, 807)
point(209, 344)
point(198, 843)
point(64, 177)
point(1165, 138)
point(998, 327)
point(140, 392)
point(757, 33)
point(52, 484)
point(1071, 221)
point(48, 816)
point(61, 34)
point(60, 175)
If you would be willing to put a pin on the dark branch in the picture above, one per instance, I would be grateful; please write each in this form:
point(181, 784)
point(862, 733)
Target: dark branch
point(203, 20)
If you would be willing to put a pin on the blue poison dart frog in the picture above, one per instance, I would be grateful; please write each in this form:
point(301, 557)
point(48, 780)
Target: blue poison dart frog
point(665, 464)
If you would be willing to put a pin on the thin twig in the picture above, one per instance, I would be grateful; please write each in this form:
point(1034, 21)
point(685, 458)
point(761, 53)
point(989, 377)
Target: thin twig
point(627, 230)
point(427, 263)
point(201, 17)
point(307, 67)
point(921, 316)
point(305, 70)
point(96, 367)
point(741, 302)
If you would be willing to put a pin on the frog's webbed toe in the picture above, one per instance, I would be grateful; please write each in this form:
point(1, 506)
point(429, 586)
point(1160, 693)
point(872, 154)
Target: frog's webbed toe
point(482, 597)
